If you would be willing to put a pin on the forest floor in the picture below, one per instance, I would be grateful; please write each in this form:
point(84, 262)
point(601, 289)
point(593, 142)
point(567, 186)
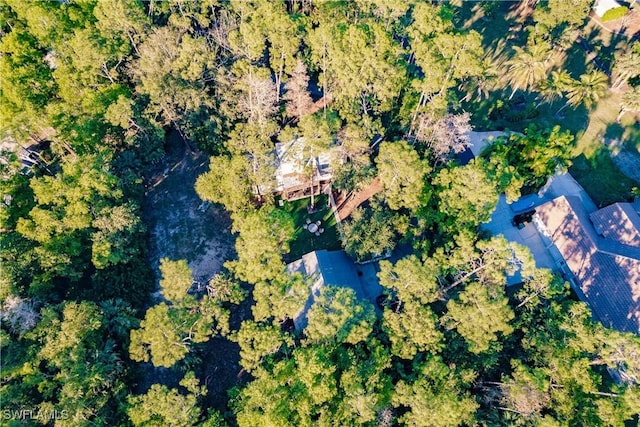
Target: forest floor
point(182, 226)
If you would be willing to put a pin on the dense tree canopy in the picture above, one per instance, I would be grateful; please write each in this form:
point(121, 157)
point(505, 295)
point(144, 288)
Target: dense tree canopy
point(93, 95)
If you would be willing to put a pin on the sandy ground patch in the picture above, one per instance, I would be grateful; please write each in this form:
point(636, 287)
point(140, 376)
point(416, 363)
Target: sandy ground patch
point(628, 161)
point(184, 227)
point(181, 226)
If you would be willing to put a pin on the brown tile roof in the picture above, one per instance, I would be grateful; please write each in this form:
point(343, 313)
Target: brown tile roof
point(619, 222)
point(608, 271)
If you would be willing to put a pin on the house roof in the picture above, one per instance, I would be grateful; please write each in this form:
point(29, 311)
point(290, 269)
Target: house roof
point(619, 222)
point(607, 270)
point(327, 268)
point(291, 160)
point(601, 6)
point(465, 156)
point(480, 140)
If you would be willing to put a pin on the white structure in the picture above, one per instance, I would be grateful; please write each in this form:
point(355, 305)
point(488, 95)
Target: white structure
point(292, 180)
point(602, 6)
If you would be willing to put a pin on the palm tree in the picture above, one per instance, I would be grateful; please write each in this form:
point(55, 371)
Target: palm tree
point(630, 102)
point(528, 66)
point(588, 90)
point(626, 65)
point(483, 83)
point(553, 88)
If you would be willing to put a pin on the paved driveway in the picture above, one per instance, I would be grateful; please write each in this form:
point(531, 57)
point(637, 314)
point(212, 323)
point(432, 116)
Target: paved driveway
point(565, 185)
point(500, 224)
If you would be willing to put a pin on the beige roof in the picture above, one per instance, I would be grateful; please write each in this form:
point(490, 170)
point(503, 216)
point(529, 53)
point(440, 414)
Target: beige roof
point(607, 270)
point(619, 222)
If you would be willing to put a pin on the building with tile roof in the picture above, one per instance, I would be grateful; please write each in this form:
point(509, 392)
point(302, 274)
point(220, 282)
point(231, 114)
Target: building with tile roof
point(619, 222)
point(601, 252)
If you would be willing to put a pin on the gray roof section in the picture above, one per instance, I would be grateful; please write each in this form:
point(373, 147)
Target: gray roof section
point(334, 268)
point(608, 272)
point(337, 269)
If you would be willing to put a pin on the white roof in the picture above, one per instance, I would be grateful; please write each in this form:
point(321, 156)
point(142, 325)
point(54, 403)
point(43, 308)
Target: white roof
point(290, 164)
point(601, 6)
point(479, 140)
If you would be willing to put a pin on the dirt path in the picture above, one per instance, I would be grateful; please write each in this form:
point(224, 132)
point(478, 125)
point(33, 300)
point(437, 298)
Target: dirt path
point(347, 204)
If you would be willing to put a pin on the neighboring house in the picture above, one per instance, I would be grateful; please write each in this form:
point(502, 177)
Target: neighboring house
point(29, 155)
point(602, 252)
point(503, 217)
point(334, 268)
point(602, 6)
point(297, 176)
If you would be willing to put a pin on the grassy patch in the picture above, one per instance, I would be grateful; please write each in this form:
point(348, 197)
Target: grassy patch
point(593, 166)
point(304, 241)
point(601, 179)
point(605, 113)
point(615, 13)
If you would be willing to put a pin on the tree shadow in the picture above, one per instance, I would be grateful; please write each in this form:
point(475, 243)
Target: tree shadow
point(593, 49)
point(614, 131)
point(601, 178)
point(628, 136)
point(494, 26)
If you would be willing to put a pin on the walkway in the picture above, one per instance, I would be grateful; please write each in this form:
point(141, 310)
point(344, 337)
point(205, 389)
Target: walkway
point(628, 26)
point(347, 204)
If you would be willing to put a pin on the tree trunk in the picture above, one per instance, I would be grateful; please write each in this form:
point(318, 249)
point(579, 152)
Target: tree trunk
point(527, 299)
point(279, 80)
point(466, 276)
point(324, 81)
point(135, 48)
point(105, 70)
point(313, 170)
point(415, 113)
point(186, 142)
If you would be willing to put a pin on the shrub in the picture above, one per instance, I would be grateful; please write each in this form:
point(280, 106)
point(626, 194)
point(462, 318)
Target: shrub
point(615, 13)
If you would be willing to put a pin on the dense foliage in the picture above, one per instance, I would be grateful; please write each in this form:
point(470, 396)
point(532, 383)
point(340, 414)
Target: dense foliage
point(90, 88)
